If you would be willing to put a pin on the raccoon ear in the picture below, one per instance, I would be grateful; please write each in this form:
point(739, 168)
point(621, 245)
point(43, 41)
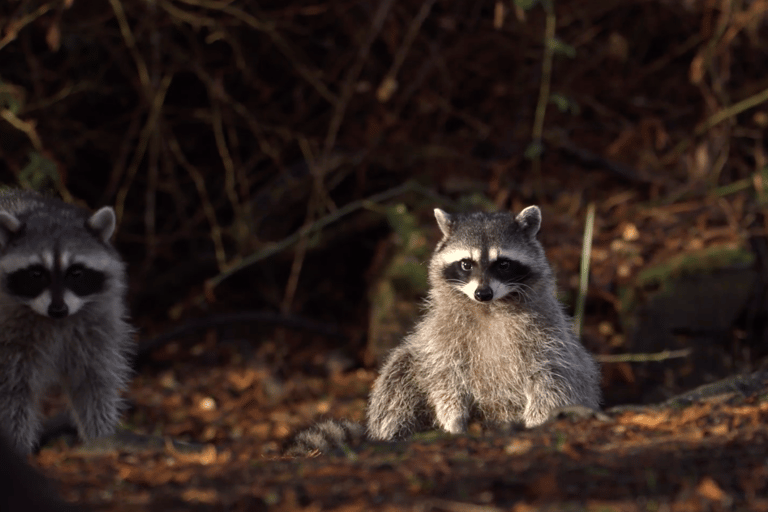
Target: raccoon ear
point(444, 221)
point(9, 225)
point(529, 220)
point(103, 222)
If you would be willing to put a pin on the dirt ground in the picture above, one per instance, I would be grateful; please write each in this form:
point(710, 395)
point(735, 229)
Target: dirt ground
point(704, 451)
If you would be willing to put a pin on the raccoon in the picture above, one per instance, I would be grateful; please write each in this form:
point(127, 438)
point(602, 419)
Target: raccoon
point(63, 317)
point(494, 341)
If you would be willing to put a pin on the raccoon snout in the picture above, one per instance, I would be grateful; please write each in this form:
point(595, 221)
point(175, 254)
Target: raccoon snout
point(483, 293)
point(58, 310)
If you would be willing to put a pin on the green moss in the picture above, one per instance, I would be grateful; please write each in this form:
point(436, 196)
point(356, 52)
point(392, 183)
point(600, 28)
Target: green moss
point(661, 278)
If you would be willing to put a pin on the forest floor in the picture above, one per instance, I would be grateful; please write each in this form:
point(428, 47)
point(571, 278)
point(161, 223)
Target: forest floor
point(702, 451)
point(211, 412)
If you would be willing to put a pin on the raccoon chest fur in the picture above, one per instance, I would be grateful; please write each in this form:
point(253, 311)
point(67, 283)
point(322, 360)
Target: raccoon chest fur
point(489, 357)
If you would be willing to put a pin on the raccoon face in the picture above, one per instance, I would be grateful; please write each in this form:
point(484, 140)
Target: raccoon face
point(59, 279)
point(490, 256)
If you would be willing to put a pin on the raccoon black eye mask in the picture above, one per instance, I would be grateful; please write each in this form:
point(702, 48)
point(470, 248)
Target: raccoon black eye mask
point(32, 281)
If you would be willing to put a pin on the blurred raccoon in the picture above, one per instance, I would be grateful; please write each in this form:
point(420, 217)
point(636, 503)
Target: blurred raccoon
point(494, 343)
point(23, 489)
point(62, 315)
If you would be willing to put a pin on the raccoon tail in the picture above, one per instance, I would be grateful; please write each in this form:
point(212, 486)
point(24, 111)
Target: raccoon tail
point(326, 437)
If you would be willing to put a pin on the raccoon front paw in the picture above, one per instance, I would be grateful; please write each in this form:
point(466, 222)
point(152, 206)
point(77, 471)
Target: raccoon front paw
point(95, 417)
point(533, 415)
point(455, 425)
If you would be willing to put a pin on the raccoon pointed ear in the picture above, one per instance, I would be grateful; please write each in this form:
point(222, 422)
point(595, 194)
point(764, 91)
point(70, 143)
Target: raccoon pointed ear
point(444, 221)
point(103, 222)
point(529, 220)
point(9, 225)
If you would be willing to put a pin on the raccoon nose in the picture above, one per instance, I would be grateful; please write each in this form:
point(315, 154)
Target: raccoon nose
point(58, 310)
point(484, 293)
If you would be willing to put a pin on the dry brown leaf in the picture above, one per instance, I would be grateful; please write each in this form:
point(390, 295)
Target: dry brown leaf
point(647, 420)
point(709, 489)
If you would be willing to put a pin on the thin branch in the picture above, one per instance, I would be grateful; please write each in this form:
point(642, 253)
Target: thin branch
point(230, 179)
point(130, 42)
point(714, 120)
point(12, 28)
point(208, 209)
point(28, 127)
point(351, 79)
point(150, 126)
point(732, 111)
point(644, 358)
point(197, 325)
point(387, 86)
point(301, 250)
point(306, 230)
point(277, 39)
point(544, 88)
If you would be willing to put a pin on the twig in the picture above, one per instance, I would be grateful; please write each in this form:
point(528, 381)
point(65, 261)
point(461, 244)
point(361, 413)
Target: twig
point(351, 79)
point(208, 209)
point(263, 317)
point(150, 198)
point(387, 86)
point(715, 119)
point(13, 28)
point(277, 39)
point(242, 110)
point(318, 225)
point(230, 179)
point(130, 42)
point(153, 155)
point(644, 358)
point(732, 111)
point(559, 139)
point(292, 283)
point(154, 115)
point(546, 82)
point(195, 19)
point(586, 253)
point(28, 127)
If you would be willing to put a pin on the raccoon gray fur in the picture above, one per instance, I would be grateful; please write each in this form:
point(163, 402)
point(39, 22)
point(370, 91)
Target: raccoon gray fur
point(494, 339)
point(63, 317)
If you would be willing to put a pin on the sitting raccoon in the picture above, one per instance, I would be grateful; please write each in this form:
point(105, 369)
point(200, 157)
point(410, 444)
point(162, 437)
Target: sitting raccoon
point(494, 342)
point(62, 315)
